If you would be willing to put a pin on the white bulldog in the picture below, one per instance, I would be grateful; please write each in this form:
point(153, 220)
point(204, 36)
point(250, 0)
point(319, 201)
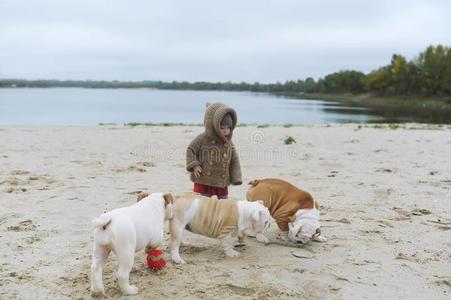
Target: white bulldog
point(125, 231)
point(213, 218)
point(304, 227)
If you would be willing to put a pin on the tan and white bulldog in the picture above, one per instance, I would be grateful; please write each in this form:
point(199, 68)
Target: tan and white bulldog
point(214, 218)
point(295, 211)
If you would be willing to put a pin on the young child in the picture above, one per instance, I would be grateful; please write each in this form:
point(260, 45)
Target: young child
point(211, 157)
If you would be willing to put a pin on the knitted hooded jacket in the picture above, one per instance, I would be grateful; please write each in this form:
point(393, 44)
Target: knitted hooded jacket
point(214, 152)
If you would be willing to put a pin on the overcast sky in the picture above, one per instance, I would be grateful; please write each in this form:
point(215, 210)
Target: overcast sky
point(229, 40)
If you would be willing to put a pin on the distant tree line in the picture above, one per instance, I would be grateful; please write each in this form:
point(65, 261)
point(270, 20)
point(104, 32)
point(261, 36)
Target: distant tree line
point(427, 75)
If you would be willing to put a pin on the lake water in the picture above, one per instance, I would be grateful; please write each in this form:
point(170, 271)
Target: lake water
point(78, 106)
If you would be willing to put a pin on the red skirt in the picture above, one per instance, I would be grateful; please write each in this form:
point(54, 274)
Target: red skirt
point(209, 191)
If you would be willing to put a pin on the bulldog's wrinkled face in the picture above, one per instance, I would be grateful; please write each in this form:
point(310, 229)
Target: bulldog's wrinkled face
point(261, 218)
point(303, 233)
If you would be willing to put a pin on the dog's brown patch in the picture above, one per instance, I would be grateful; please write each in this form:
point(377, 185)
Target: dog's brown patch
point(168, 198)
point(141, 196)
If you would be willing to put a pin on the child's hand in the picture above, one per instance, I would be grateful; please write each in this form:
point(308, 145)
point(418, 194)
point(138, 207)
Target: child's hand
point(197, 170)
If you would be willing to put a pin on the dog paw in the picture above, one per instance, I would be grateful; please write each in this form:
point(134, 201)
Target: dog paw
point(320, 239)
point(262, 239)
point(250, 233)
point(178, 260)
point(130, 290)
point(283, 237)
point(98, 293)
point(232, 253)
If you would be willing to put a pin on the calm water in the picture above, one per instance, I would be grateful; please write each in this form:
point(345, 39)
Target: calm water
point(77, 106)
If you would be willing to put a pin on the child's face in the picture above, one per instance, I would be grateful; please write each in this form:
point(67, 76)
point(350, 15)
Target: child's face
point(225, 130)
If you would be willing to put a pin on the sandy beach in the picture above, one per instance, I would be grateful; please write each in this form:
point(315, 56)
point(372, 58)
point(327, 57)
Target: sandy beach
point(385, 195)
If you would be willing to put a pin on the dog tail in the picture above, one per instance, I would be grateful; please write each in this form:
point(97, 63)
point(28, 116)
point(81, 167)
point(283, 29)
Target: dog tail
point(141, 196)
point(253, 182)
point(102, 222)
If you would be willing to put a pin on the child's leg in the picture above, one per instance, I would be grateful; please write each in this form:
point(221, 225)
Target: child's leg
point(201, 189)
point(221, 193)
point(210, 191)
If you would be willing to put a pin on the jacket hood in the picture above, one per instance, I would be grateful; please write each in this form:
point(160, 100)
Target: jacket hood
point(214, 114)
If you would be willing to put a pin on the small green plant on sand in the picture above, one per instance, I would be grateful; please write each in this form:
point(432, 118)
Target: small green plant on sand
point(289, 140)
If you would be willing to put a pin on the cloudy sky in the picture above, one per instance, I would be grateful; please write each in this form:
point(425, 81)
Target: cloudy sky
point(244, 40)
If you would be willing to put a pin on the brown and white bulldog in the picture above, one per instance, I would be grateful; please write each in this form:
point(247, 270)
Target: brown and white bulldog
point(214, 218)
point(295, 211)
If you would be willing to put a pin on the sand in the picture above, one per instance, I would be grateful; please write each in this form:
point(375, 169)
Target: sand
point(385, 195)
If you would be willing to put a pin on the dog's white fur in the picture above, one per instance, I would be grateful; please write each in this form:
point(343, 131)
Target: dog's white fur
point(252, 216)
point(304, 228)
point(125, 231)
point(259, 218)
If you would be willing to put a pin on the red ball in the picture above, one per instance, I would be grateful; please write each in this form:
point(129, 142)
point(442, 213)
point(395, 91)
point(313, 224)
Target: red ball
point(155, 259)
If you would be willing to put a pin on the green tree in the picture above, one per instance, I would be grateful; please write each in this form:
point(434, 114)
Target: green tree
point(432, 66)
point(399, 80)
point(344, 82)
point(377, 81)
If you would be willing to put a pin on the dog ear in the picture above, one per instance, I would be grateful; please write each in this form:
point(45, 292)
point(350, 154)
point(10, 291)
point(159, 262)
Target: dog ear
point(141, 196)
point(168, 198)
point(253, 182)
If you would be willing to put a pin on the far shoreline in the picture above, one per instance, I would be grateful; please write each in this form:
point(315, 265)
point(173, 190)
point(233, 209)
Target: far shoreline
point(259, 127)
point(409, 103)
point(373, 101)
